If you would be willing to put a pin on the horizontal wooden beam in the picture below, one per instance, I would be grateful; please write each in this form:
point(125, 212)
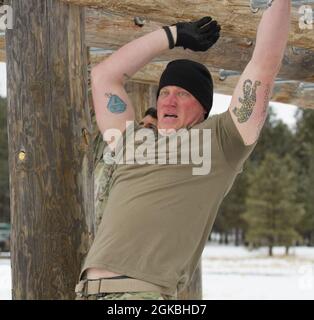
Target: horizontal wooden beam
point(151, 73)
point(109, 31)
point(235, 16)
point(105, 30)
point(285, 92)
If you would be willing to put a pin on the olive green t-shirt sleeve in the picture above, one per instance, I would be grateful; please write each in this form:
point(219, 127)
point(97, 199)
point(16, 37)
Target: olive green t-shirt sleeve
point(230, 141)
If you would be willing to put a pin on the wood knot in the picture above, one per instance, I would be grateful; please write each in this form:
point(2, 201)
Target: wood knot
point(85, 136)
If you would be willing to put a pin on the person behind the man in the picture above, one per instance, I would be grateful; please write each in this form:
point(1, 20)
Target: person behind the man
point(104, 167)
point(150, 118)
point(158, 217)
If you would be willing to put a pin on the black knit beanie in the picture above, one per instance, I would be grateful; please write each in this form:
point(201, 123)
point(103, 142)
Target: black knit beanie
point(191, 76)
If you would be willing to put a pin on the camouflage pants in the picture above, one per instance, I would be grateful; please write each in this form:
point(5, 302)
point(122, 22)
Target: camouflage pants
point(149, 295)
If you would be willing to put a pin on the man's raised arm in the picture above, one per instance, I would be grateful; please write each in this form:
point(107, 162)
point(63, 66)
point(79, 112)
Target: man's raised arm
point(250, 99)
point(111, 102)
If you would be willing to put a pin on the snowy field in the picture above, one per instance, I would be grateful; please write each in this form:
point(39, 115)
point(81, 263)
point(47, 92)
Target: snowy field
point(5, 278)
point(234, 273)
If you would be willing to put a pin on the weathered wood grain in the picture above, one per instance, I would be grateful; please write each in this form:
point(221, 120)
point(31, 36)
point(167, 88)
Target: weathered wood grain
point(235, 16)
point(111, 31)
point(50, 152)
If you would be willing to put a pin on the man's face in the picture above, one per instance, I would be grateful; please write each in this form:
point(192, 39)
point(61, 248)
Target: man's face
point(177, 108)
point(148, 122)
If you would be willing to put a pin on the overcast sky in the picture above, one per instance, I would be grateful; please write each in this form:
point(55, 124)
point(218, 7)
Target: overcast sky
point(221, 102)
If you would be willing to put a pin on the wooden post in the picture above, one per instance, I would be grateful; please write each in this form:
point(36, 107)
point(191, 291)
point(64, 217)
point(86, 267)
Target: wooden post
point(143, 96)
point(50, 149)
point(194, 289)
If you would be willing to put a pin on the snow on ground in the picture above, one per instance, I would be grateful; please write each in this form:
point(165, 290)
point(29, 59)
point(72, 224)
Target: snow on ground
point(5, 279)
point(235, 273)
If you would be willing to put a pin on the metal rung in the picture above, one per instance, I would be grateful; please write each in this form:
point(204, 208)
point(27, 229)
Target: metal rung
point(224, 74)
point(263, 4)
point(282, 81)
point(306, 86)
point(100, 50)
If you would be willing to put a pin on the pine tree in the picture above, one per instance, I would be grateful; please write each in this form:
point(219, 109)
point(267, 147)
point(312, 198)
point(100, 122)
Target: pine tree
point(231, 210)
point(275, 137)
point(272, 211)
point(304, 152)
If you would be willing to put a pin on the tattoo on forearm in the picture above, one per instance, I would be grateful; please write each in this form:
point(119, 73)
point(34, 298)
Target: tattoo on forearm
point(248, 101)
point(115, 103)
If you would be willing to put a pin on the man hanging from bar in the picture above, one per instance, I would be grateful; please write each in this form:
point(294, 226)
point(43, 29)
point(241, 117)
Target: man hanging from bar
point(159, 216)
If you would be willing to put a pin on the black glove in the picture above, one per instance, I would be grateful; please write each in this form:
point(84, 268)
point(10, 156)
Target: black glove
point(199, 35)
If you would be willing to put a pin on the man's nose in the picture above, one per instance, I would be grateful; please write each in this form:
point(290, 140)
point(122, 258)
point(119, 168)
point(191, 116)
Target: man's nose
point(171, 99)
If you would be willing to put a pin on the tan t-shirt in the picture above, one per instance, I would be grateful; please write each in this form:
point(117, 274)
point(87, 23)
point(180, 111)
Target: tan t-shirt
point(159, 216)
